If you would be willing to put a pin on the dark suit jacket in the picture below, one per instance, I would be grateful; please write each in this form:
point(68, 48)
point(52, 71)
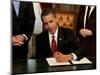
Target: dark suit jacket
point(88, 43)
point(67, 43)
point(90, 21)
point(22, 24)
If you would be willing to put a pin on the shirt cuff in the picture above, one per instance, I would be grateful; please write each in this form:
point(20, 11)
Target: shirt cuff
point(74, 56)
point(26, 38)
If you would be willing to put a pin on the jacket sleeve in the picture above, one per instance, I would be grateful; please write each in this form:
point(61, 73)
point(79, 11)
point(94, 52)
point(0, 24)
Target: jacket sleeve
point(30, 19)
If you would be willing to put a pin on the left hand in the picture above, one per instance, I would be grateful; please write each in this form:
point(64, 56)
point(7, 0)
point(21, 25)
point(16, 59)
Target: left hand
point(62, 57)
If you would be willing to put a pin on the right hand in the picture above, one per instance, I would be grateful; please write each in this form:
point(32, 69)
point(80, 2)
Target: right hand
point(85, 32)
point(17, 41)
point(60, 57)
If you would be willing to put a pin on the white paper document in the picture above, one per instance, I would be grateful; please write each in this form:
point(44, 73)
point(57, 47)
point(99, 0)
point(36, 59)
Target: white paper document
point(52, 62)
point(82, 61)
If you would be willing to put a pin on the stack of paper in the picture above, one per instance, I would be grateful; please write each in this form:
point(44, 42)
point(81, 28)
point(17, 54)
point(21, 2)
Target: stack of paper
point(52, 62)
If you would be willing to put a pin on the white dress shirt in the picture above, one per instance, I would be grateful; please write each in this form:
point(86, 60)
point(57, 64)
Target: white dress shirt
point(16, 4)
point(91, 9)
point(50, 36)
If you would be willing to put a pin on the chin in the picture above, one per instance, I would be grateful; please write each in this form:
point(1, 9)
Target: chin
point(52, 31)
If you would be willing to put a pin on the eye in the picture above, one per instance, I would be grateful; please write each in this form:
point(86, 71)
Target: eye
point(51, 21)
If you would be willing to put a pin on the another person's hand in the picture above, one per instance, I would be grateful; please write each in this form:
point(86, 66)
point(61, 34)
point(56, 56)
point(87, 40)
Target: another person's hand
point(14, 41)
point(62, 57)
point(85, 32)
point(18, 40)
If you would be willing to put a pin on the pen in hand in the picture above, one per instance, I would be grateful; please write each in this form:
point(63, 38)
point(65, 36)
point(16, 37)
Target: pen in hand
point(60, 57)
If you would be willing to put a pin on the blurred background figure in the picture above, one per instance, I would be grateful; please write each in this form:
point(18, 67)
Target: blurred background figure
point(86, 29)
point(22, 28)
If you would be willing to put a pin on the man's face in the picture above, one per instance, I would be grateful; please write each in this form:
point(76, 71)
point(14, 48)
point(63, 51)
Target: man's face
point(50, 23)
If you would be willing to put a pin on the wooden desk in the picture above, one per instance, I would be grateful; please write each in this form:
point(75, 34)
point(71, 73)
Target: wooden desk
point(40, 65)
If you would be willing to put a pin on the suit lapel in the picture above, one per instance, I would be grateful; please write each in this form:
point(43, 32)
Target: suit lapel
point(20, 10)
point(47, 39)
point(93, 12)
point(47, 44)
point(14, 12)
point(60, 38)
point(15, 18)
point(91, 16)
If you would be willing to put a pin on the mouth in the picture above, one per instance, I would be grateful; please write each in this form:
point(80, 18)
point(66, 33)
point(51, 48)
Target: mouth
point(52, 31)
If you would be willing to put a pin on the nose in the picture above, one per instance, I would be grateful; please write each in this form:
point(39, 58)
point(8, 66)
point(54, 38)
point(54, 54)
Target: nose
point(49, 24)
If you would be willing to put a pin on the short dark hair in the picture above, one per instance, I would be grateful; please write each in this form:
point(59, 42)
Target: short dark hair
point(46, 12)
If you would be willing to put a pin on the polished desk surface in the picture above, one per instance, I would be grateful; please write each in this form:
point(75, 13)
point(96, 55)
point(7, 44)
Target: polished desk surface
point(40, 65)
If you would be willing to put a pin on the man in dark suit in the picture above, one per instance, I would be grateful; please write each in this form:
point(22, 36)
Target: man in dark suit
point(56, 41)
point(22, 27)
point(87, 34)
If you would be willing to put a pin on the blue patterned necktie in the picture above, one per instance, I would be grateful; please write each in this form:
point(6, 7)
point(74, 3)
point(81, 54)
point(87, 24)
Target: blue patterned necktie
point(16, 6)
